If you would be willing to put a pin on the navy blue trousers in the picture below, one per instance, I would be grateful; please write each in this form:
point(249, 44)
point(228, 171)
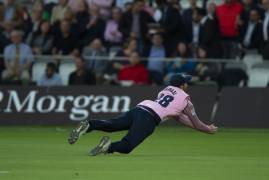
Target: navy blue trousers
point(139, 123)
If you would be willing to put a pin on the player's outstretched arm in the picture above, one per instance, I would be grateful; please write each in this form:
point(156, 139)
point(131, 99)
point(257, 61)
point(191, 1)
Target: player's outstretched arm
point(189, 111)
point(185, 120)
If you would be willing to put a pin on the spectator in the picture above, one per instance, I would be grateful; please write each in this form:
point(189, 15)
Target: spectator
point(59, 10)
point(82, 16)
point(193, 31)
point(134, 23)
point(18, 58)
point(70, 17)
point(122, 3)
point(210, 35)
point(39, 5)
point(188, 13)
point(172, 24)
point(265, 51)
point(75, 5)
point(66, 43)
point(95, 26)
point(93, 55)
point(4, 41)
point(26, 21)
point(204, 70)
point(5, 35)
point(251, 31)
point(50, 77)
point(81, 76)
point(104, 6)
point(129, 47)
point(228, 16)
point(155, 64)
point(183, 62)
point(127, 6)
point(42, 40)
point(135, 72)
point(11, 12)
point(112, 34)
point(36, 18)
point(248, 5)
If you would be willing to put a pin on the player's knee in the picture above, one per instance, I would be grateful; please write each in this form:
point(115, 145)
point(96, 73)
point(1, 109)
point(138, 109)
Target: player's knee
point(127, 148)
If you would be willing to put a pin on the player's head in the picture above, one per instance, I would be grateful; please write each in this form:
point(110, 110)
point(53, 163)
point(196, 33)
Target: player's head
point(180, 80)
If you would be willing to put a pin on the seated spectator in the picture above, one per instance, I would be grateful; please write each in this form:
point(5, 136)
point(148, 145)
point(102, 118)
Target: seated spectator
point(112, 34)
point(95, 26)
point(26, 21)
point(129, 47)
point(204, 70)
point(155, 64)
point(36, 18)
point(82, 17)
point(209, 33)
point(66, 43)
point(59, 10)
point(75, 5)
point(70, 17)
point(135, 72)
point(50, 77)
point(134, 24)
point(39, 5)
point(183, 62)
point(81, 76)
point(122, 3)
point(5, 35)
point(18, 59)
point(251, 32)
point(41, 41)
point(11, 12)
point(104, 6)
point(93, 55)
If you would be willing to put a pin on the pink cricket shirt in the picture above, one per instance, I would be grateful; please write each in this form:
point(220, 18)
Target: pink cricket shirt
point(171, 101)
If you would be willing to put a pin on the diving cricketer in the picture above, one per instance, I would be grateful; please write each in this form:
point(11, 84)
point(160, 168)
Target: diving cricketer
point(172, 102)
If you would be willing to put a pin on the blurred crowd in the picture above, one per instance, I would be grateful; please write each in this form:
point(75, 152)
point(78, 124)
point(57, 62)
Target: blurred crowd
point(137, 34)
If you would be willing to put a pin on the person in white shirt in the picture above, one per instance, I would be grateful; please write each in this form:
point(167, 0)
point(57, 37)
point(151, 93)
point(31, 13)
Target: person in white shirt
point(50, 77)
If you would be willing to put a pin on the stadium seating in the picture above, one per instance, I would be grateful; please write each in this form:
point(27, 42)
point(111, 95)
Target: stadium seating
point(65, 70)
point(259, 75)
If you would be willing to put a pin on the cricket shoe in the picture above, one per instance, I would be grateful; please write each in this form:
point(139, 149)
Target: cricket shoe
point(102, 147)
point(79, 131)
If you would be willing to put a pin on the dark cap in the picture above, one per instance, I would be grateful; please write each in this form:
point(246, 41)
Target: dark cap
point(179, 79)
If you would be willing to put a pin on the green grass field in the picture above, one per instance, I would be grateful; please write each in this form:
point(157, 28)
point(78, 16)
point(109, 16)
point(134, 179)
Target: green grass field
point(42, 153)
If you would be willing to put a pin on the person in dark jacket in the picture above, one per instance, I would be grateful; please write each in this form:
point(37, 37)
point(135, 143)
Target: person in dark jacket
point(210, 35)
point(172, 25)
point(134, 24)
point(251, 31)
point(81, 76)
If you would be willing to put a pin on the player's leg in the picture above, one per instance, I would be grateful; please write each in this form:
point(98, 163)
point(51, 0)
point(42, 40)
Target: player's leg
point(123, 122)
point(112, 125)
point(142, 126)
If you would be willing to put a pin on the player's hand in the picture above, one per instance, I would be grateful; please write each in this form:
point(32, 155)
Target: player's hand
point(212, 129)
